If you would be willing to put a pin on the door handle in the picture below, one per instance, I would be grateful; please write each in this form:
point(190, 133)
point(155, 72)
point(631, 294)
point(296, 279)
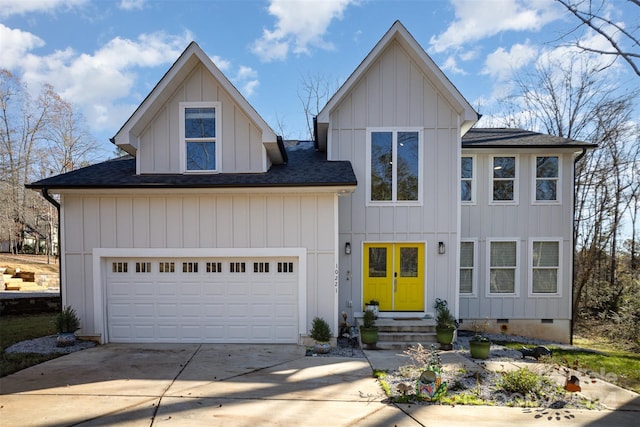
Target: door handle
point(395, 285)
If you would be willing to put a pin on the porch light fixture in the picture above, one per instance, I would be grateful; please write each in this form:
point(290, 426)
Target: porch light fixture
point(440, 248)
point(347, 248)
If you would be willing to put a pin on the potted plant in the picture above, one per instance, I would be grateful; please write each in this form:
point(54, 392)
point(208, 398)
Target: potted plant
point(67, 323)
point(369, 330)
point(373, 305)
point(446, 324)
point(479, 344)
point(321, 333)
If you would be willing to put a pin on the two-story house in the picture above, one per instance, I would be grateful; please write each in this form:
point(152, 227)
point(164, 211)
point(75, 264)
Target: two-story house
point(213, 231)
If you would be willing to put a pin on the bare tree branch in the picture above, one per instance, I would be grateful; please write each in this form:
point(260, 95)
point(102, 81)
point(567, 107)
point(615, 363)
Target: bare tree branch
point(597, 21)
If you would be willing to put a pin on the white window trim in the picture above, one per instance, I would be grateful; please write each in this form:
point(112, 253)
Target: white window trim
point(516, 284)
point(474, 180)
point(474, 270)
point(394, 131)
point(183, 144)
point(558, 292)
point(516, 181)
point(535, 180)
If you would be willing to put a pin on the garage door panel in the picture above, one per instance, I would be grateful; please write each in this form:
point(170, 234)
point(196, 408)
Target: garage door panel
point(257, 304)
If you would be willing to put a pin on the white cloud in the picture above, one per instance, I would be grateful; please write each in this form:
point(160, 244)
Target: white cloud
point(301, 24)
point(501, 63)
point(451, 65)
point(99, 82)
point(476, 20)
point(247, 79)
point(221, 63)
point(22, 7)
point(132, 4)
point(14, 44)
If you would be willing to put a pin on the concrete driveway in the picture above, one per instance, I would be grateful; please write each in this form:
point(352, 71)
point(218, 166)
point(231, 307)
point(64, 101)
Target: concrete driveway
point(235, 385)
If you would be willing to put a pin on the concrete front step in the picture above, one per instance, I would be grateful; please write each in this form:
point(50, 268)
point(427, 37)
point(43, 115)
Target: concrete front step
point(399, 334)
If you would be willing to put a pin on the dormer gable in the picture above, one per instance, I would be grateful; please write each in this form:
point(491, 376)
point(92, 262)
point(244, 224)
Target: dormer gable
point(196, 121)
point(397, 34)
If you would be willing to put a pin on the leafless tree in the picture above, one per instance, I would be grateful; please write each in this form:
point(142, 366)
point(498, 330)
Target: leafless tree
point(22, 124)
point(314, 92)
point(38, 138)
point(569, 97)
point(622, 37)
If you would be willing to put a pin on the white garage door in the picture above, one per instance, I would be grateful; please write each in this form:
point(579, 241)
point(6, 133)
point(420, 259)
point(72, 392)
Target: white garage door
point(208, 300)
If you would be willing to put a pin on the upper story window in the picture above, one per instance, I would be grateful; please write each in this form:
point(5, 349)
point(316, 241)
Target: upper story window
point(504, 182)
point(546, 179)
point(394, 166)
point(467, 181)
point(200, 134)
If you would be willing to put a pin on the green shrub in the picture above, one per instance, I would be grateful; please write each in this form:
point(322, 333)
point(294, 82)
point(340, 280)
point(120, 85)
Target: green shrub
point(522, 381)
point(320, 330)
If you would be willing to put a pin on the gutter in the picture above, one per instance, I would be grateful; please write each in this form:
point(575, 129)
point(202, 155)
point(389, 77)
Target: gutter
point(573, 241)
point(54, 202)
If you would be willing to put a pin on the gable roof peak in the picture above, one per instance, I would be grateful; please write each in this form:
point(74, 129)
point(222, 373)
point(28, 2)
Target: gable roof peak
point(398, 32)
point(190, 57)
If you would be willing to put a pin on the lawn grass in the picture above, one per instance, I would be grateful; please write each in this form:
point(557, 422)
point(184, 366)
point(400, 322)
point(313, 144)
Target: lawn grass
point(608, 363)
point(14, 329)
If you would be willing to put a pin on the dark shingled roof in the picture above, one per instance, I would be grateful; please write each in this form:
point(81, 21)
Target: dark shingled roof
point(516, 138)
point(306, 168)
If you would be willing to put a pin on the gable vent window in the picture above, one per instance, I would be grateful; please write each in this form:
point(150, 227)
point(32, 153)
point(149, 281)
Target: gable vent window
point(260, 267)
point(237, 267)
point(214, 267)
point(143, 267)
point(189, 267)
point(285, 267)
point(167, 267)
point(199, 127)
point(120, 267)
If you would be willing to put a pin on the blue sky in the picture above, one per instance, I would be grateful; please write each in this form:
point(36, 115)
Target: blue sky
point(104, 56)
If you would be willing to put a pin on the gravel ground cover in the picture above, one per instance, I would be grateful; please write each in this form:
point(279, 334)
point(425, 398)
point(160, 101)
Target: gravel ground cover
point(47, 345)
point(483, 386)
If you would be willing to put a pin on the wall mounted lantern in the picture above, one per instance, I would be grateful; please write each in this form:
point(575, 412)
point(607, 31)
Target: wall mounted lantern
point(347, 248)
point(441, 249)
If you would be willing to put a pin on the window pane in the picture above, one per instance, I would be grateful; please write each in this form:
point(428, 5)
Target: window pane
point(504, 167)
point(545, 254)
point(201, 155)
point(465, 191)
point(546, 189)
point(407, 168)
point(466, 254)
point(467, 167)
point(503, 190)
point(408, 262)
point(503, 254)
point(545, 280)
point(546, 167)
point(381, 165)
point(503, 281)
point(466, 281)
point(199, 123)
point(377, 262)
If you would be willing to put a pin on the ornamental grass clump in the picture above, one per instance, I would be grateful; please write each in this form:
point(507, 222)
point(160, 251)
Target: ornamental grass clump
point(522, 381)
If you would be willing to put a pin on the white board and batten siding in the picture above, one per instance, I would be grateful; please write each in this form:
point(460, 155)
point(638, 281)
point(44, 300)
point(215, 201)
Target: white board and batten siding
point(395, 93)
point(146, 226)
point(523, 222)
point(242, 148)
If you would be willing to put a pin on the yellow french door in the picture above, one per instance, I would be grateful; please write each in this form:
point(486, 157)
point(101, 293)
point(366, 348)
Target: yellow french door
point(394, 275)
